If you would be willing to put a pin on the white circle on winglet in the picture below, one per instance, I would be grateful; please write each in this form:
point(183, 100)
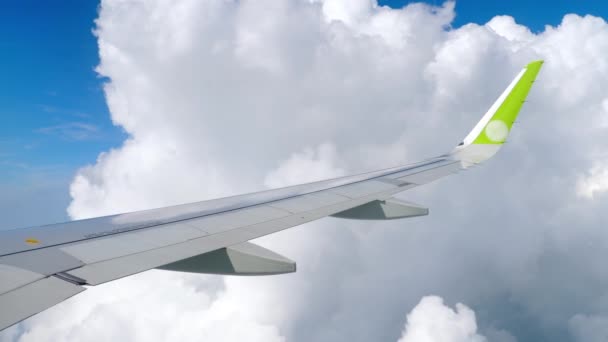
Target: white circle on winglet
point(497, 131)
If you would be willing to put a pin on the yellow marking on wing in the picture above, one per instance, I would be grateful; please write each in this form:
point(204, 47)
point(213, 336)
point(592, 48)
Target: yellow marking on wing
point(32, 241)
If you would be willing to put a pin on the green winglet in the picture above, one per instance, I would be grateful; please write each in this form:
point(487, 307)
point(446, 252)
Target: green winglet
point(497, 127)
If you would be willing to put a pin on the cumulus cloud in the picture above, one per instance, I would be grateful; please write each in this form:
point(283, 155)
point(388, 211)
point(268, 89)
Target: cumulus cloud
point(433, 321)
point(222, 97)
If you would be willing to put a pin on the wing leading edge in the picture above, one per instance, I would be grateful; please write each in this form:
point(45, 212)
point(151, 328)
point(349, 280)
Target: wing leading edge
point(42, 266)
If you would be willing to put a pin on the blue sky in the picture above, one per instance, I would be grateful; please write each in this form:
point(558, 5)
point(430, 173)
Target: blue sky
point(54, 115)
point(51, 101)
point(533, 14)
point(51, 97)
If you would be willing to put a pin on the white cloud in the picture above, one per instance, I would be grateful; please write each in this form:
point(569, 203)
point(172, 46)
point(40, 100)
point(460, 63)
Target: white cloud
point(215, 94)
point(308, 166)
point(433, 321)
point(505, 26)
point(348, 12)
point(594, 182)
point(114, 184)
point(126, 310)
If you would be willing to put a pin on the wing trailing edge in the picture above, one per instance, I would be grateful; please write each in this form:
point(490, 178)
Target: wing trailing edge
point(25, 301)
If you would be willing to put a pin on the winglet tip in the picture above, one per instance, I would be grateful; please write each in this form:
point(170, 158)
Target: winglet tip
point(535, 64)
point(492, 130)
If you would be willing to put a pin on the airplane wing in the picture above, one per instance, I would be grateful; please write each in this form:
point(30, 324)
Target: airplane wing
point(42, 266)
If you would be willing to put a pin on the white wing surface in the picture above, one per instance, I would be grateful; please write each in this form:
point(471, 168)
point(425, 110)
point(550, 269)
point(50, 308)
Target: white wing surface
point(42, 266)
